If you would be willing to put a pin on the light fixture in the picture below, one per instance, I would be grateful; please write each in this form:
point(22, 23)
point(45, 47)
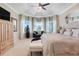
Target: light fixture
point(39, 9)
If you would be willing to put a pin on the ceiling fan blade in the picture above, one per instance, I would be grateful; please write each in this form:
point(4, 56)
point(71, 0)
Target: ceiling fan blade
point(43, 8)
point(46, 4)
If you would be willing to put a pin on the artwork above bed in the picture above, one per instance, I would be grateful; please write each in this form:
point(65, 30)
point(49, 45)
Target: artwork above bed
point(72, 25)
point(71, 19)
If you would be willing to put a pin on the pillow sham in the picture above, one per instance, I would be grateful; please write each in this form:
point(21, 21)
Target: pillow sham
point(68, 32)
point(75, 32)
point(62, 31)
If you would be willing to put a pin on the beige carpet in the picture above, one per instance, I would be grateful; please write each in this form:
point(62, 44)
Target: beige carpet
point(21, 48)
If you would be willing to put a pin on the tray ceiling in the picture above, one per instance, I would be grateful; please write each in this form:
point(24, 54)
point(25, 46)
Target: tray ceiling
point(32, 9)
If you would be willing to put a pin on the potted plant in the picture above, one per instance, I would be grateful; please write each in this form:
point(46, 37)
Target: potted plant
point(27, 31)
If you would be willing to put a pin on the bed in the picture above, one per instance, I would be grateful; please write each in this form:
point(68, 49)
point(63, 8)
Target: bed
point(55, 44)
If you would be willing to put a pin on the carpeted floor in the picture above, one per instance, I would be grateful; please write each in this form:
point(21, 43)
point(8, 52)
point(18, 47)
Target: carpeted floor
point(21, 48)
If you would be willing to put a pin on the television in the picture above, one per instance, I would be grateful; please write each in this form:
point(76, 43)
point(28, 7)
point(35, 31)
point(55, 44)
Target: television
point(4, 14)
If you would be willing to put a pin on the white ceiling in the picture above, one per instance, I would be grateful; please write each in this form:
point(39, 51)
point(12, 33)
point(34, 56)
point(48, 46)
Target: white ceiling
point(31, 9)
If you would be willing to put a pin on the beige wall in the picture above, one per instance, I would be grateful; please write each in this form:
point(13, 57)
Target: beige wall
point(14, 15)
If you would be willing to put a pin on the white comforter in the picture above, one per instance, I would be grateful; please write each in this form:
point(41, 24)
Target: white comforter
point(57, 44)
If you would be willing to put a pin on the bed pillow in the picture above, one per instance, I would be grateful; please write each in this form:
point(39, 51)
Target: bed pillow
point(62, 31)
point(75, 33)
point(68, 32)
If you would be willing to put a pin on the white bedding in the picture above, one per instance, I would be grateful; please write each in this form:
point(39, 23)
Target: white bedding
point(58, 44)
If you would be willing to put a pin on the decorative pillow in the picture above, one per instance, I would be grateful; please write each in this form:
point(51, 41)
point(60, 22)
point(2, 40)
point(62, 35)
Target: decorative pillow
point(68, 29)
point(75, 32)
point(62, 31)
point(68, 32)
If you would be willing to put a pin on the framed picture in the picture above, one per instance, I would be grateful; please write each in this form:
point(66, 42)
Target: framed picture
point(66, 19)
point(77, 17)
point(14, 21)
point(72, 18)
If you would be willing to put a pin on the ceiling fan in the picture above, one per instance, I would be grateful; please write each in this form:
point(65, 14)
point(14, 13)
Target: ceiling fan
point(43, 5)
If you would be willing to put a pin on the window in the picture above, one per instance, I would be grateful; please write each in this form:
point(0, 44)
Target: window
point(25, 22)
point(47, 24)
point(54, 25)
point(37, 24)
point(51, 24)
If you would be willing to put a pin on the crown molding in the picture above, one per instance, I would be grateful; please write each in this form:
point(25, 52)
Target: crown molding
point(11, 8)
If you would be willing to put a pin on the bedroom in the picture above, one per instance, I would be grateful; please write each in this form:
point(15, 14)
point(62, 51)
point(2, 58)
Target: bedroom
point(42, 29)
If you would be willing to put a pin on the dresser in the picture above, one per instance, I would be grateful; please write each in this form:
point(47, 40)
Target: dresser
point(6, 36)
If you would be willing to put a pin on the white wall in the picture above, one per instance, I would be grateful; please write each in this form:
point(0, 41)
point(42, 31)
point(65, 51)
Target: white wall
point(13, 14)
point(74, 11)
